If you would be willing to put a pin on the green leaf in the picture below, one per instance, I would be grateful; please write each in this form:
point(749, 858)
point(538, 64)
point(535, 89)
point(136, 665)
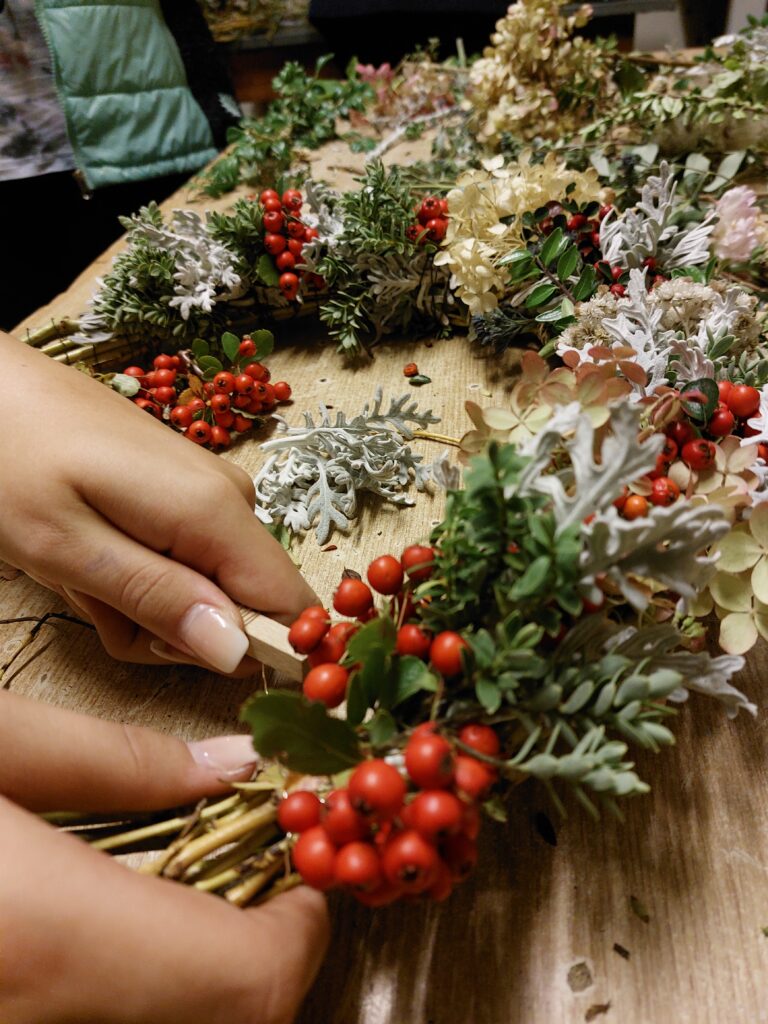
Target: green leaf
point(412, 676)
point(515, 257)
point(586, 284)
point(533, 578)
point(629, 78)
point(701, 411)
point(230, 343)
point(124, 384)
point(540, 294)
point(567, 263)
point(264, 342)
point(300, 735)
point(419, 380)
point(381, 728)
point(489, 695)
point(266, 271)
point(554, 246)
point(210, 363)
point(200, 348)
point(371, 647)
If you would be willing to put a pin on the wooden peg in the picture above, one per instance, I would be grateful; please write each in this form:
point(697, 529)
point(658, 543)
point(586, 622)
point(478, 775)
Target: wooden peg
point(269, 645)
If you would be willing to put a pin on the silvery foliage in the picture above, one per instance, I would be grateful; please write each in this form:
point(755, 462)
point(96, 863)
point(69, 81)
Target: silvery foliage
point(205, 269)
point(664, 546)
point(586, 486)
point(315, 473)
point(646, 230)
point(444, 473)
point(656, 647)
point(662, 351)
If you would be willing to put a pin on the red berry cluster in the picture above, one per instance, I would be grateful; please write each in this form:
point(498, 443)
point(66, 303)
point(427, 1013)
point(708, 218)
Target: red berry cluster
point(695, 445)
point(384, 835)
point(209, 412)
point(284, 237)
point(431, 221)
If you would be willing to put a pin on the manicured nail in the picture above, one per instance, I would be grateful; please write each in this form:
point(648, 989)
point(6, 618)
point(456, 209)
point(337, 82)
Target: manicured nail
point(225, 755)
point(213, 637)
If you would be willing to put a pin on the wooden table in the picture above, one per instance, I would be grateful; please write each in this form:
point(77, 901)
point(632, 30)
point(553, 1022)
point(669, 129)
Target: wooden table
point(660, 919)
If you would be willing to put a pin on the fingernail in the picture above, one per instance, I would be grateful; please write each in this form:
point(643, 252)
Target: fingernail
point(225, 755)
point(213, 637)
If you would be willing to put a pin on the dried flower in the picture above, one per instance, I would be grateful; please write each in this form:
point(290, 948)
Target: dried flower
point(736, 236)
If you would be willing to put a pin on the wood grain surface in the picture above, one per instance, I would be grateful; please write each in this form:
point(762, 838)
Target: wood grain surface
point(658, 919)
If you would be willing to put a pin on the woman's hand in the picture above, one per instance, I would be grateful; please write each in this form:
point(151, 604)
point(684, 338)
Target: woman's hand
point(150, 536)
point(84, 939)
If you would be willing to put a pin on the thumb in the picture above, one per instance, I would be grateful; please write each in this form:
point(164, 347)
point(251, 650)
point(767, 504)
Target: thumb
point(59, 760)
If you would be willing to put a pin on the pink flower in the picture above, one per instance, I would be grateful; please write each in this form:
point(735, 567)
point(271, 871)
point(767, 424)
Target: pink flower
point(735, 238)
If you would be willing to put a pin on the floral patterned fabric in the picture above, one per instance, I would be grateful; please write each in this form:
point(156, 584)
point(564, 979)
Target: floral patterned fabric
point(33, 135)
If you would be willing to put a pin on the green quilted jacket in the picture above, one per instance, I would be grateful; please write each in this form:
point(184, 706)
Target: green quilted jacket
point(121, 81)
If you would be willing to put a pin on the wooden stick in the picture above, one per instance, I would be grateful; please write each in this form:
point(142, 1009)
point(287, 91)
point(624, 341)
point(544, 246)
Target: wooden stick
point(269, 645)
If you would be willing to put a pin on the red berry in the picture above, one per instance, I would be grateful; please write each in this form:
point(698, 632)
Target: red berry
point(618, 290)
point(326, 683)
point(762, 452)
point(274, 243)
point(316, 611)
point(436, 814)
point(242, 401)
point(436, 229)
point(358, 866)
point(295, 245)
point(352, 598)
point(299, 811)
point(385, 574)
point(664, 491)
point(240, 424)
point(198, 431)
point(429, 760)
point(743, 401)
point(460, 853)
point(269, 396)
point(429, 209)
point(604, 211)
point(310, 234)
point(470, 823)
point(225, 419)
point(314, 857)
point(282, 391)
point(273, 204)
point(224, 382)
point(220, 402)
point(481, 738)
point(699, 455)
point(147, 405)
point(341, 821)
point(331, 648)
point(681, 432)
point(256, 370)
point(163, 378)
point(292, 199)
point(412, 640)
point(273, 221)
point(669, 451)
point(722, 422)
point(220, 437)
point(445, 653)
point(418, 562)
point(296, 229)
point(724, 388)
point(268, 193)
point(377, 790)
point(635, 507)
point(195, 404)
point(246, 348)
point(285, 261)
point(163, 362)
point(289, 285)
point(306, 633)
point(244, 384)
point(616, 272)
point(575, 222)
point(410, 861)
point(410, 370)
point(181, 416)
point(649, 262)
point(165, 395)
point(473, 777)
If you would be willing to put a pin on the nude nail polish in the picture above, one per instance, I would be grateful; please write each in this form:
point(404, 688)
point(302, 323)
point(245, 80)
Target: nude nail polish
point(214, 637)
point(225, 755)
